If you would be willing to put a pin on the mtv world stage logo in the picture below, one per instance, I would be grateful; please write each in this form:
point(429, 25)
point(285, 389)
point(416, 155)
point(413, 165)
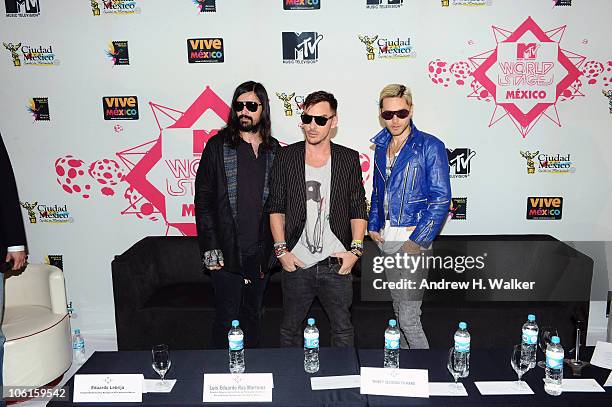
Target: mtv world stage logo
point(525, 75)
point(114, 7)
point(298, 103)
point(459, 160)
point(548, 163)
point(301, 47)
point(206, 6)
point(468, 3)
point(39, 108)
point(22, 8)
point(397, 48)
point(118, 52)
point(376, 4)
point(32, 55)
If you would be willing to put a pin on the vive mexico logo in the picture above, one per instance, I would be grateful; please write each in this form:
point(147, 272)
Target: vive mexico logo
point(116, 7)
point(538, 162)
point(118, 52)
point(387, 48)
point(47, 213)
point(22, 8)
point(301, 47)
point(31, 55)
point(120, 107)
point(459, 160)
point(376, 4)
point(544, 208)
point(301, 4)
point(205, 50)
point(39, 109)
point(526, 75)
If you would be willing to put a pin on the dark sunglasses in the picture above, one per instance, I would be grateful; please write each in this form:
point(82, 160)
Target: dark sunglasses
point(388, 114)
point(251, 106)
point(319, 120)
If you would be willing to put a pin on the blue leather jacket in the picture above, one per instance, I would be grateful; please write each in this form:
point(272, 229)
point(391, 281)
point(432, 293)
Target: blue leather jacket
point(419, 186)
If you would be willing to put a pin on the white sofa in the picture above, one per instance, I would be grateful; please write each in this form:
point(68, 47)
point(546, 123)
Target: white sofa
point(36, 325)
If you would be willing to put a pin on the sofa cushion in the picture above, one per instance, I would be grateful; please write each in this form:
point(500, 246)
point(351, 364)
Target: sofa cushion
point(26, 320)
point(192, 295)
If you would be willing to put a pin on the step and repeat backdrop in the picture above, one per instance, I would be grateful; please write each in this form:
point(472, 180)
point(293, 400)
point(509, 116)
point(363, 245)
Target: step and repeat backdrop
point(107, 106)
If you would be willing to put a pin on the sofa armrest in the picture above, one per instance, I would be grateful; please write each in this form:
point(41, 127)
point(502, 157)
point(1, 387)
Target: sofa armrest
point(38, 284)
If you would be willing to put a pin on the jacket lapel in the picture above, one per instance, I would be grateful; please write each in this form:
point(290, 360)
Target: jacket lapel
point(230, 162)
point(335, 174)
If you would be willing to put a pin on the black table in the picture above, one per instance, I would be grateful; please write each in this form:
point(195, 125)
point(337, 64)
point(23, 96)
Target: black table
point(291, 383)
point(485, 365)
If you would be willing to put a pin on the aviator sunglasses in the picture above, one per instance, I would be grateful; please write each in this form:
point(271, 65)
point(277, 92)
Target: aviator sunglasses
point(251, 106)
point(319, 120)
point(388, 114)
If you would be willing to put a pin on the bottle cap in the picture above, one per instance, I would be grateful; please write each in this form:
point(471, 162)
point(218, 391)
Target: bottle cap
point(555, 340)
point(77, 331)
point(392, 322)
point(311, 321)
point(462, 325)
point(531, 317)
point(235, 323)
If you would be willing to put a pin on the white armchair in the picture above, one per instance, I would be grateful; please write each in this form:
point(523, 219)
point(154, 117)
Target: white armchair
point(36, 325)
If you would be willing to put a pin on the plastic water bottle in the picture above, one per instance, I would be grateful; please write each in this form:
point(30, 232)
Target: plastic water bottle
point(554, 367)
point(311, 347)
point(235, 338)
point(530, 341)
point(462, 350)
point(78, 347)
point(392, 345)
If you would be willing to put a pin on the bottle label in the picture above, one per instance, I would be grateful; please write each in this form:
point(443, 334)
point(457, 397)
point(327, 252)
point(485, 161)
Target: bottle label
point(311, 340)
point(77, 345)
point(554, 359)
point(392, 341)
point(530, 337)
point(462, 344)
point(236, 342)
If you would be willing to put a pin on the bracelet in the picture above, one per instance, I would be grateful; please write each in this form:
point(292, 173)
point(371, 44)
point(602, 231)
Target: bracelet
point(280, 249)
point(357, 252)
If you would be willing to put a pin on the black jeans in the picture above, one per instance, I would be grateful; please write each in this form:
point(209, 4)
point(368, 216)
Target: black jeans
point(335, 292)
point(234, 299)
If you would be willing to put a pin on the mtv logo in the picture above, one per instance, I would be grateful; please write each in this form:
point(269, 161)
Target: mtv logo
point(22, 6)
point(459, 160)
point(527, 50)
point(301, 46)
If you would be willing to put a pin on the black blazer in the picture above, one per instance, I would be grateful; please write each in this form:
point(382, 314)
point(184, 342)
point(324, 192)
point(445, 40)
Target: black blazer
point(12, 232)
point(288, 191)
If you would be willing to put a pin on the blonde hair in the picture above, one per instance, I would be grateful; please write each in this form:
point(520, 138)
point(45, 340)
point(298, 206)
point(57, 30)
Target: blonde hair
point(395, 90)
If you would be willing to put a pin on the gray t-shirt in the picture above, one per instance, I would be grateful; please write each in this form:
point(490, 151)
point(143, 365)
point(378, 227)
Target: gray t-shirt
point(317, 241)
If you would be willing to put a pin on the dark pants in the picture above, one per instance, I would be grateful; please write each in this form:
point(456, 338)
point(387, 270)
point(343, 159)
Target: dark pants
point(234, 299)
point(335, 292)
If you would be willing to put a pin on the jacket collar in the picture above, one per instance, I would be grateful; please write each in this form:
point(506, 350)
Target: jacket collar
point(383, 137)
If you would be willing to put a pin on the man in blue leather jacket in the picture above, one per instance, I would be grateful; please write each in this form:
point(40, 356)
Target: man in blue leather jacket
point(411, 196)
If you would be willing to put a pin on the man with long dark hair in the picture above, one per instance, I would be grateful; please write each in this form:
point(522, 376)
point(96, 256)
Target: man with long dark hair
point(231, 189)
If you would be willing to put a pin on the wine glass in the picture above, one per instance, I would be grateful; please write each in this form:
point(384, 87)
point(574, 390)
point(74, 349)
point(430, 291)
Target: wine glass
point(545, 335)
point(161, 360)
point(453, 369)
point(520, 365)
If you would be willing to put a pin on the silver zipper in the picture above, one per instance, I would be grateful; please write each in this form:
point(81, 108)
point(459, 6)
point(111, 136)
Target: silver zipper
point(403, 192)
point(414, 177)
point(426, 230)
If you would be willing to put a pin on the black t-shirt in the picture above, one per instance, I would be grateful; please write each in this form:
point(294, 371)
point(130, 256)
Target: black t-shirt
point(251, 179)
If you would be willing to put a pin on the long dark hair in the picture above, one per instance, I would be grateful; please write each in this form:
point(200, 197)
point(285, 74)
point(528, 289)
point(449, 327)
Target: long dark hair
point(232, 129)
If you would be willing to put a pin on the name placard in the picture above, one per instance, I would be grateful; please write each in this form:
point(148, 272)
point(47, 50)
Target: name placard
point(395, 382)
point(108, 388)
point(241, 387)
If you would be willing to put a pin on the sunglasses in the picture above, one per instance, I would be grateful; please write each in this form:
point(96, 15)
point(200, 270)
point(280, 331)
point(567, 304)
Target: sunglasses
point(388, 114)
point(251, 106)
point(319, 120)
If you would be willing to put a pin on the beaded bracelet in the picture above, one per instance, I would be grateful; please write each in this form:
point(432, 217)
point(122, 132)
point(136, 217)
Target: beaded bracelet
point(280, 249)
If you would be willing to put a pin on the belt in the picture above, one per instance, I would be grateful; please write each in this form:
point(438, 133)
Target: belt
point(330, 261)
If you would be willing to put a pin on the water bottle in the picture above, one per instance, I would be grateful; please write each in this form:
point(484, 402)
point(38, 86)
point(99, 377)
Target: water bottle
point(530, 341)
point(78, 347)
point(392, 345)
point(311, 347)
point(554, 367)
point(462, 350)
point(235, 338)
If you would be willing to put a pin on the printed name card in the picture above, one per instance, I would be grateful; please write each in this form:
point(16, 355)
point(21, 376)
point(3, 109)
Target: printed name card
point(237, 387)
point(395, 382)
point(108, 388)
